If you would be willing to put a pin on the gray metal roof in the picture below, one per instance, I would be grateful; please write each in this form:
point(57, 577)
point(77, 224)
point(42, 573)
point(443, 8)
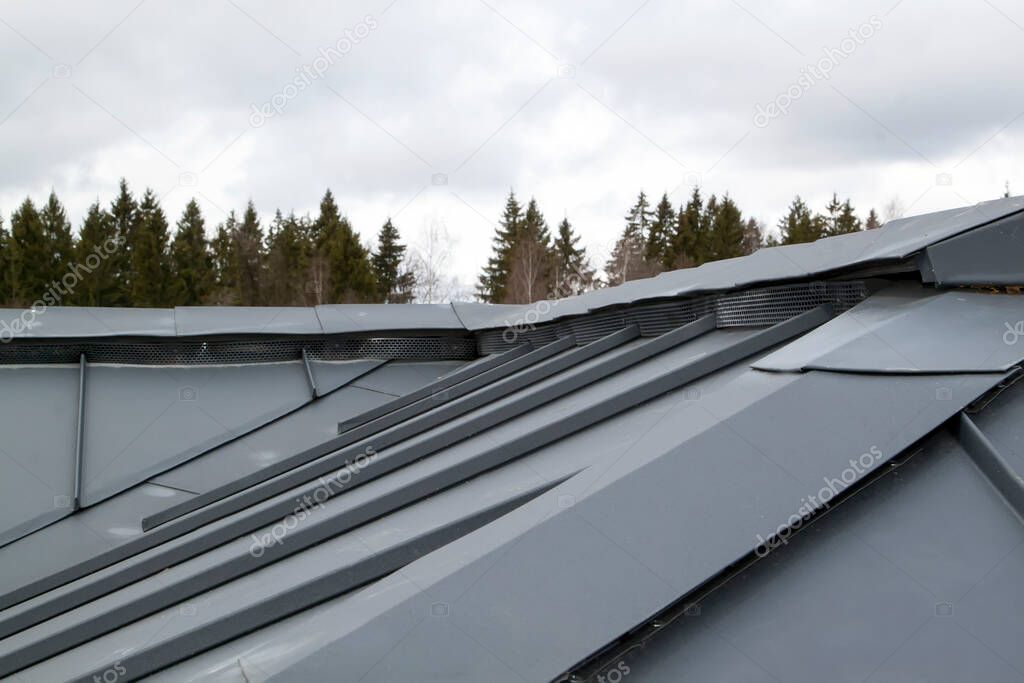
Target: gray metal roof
point(765, 485)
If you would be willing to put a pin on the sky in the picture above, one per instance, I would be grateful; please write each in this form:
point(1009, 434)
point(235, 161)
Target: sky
point(430, 112)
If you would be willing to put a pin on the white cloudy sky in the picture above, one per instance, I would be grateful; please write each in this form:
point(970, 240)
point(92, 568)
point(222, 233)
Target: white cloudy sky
point(580, 104)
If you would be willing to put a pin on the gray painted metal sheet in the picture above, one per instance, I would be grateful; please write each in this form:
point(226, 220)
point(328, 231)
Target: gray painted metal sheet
point(895, 584)
point(212, 320)
point(330, 375)
point(913, 329)
point(992, 255)
point(312, 424)
point(87, 532)
point(75, 321)
point(649, 428)
point(140, 421)
point(400, 377)
point(338, 555)
point(351, 318)
point(639, 536)
point(38, 420)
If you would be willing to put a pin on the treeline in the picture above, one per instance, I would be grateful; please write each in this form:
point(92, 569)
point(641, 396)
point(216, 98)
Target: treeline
point(125, 255)
point(529, 264)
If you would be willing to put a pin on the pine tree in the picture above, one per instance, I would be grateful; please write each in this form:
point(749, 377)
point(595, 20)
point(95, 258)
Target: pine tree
point(872, 222)
point(494, 280)
point(150, 271)
point(31, 275)
point(799, 225)
point(191, 263)
point(530, 272)
point(395, 286)
point(123, 213)
point(98, 249)
point(573, 274)
point(726, 230)
point(659, 238)
point(350, 274)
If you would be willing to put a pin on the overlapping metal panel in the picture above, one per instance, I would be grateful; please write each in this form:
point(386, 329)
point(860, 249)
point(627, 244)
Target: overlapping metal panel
point(141, 421)
point(38, 418)
point(911, 329)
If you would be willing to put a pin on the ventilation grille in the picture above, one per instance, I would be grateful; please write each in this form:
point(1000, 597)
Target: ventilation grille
point(227, 352)
point(752, 308)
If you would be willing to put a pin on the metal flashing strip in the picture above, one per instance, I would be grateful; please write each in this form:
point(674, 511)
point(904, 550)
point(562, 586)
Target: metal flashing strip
point(309, 373)
point(461, 375)
point(76, 501)
point(441, 393)
point(991, 463)
point(297, 598)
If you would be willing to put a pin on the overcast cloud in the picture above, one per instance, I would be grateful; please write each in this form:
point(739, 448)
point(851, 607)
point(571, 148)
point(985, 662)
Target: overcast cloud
point(580, 104)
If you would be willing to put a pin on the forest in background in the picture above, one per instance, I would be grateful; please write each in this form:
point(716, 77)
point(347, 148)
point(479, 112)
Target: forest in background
point(126, 253)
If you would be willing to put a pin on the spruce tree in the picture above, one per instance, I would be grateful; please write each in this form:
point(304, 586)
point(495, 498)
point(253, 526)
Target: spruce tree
point(752, 236)
point(726, 233)
point(31, 273)
point(799, 225)
point(57, 234)
point(494, 280)
point(5, 265)
point(248, 258)
point(573, 274)
point(847, 220)
point(150, 271)
point(225, 275)
point(98, 249)
point(394, 285)
point(530, 272)
point(192, 274)
point(872, 222)
point(348, 261)
point(659, 239)
point(840, 217)
point(687, 243)
point(123, 213)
